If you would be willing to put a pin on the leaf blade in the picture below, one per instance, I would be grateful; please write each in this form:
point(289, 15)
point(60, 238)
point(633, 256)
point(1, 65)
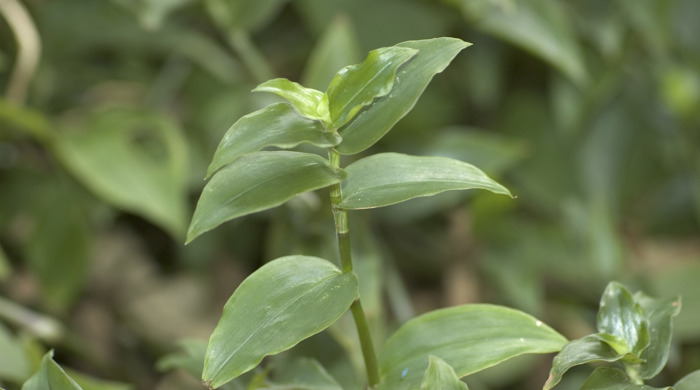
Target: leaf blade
point(50, 376)
point(440, 375)
point(388, 178)
point(258, 181)
point(283, 302)
point(306, 100)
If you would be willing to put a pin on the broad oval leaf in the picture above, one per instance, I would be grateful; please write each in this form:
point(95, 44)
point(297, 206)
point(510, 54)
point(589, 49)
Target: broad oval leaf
point(276, 125)
point(356, 86)
point(258, 181)
point(622, 316)
point(440, 375)
point(411, 80)
point(309, 102)
point(660, 313)
point(587, 349)
point(50, 376)
point(469, 338)
point(388, 178)
point(276, 307)
point(689, 382)
point(613, 379)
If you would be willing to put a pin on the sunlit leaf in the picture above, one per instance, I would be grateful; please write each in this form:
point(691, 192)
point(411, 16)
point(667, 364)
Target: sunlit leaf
point(276, 125)
point(337, 48)
point(279, 305)
point(309, 102)
point(587, 349)
point(134, 160)
point(613, 379)
point(689, 382)
point(50, 377)
point(357, 86)
point(258, 181)
point(376, 120)
point(660, 314)
point(620, 315)
point(469, 338)
point(440, 375)
point(387, 178)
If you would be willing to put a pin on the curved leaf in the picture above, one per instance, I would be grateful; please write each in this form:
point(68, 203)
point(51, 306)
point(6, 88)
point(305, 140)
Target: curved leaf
point(388, 178)
point(621, 316)
point(276, 125)
point(258, 181)
point(50, 377)
point(613, 379)
point(469, 338)
point(440, 375)
point(309, 102)
point(279, 305)
point(356, 86)
point(660, 313)
point(689, 382)
point(376, 120)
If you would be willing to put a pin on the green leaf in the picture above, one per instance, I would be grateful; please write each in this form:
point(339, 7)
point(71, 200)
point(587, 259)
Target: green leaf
point(279, 305)
point(470, 338)
point(689, 382)
point(87, 382)
point(276, 125)
point(388, 178)
point(620, 315)
point(14, 362)
point(337, 48)
point(258, 181)
point(613, 379)
point(581, 351)
point(50, 377)
point(304, 374)
point(411, 80)
point(309, 102)
point(357, 86)
point(440, 375)
point(133, 159)
point(152, 13)
point(660, 313)
point(191, 359)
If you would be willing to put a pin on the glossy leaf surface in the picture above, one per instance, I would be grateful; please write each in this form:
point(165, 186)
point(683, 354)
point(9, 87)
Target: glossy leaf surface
point(276, 125)
point(411, 80)
point(621, 316)
point(660, 314)
point(388, 178)
point(256, 182)
point(613, 379)
point(689, 382)
point(440, 375)
point(309, 102)
point(50, 377)
point(587, 349)
point(357, 86)
point(469, 338)
point(279, 305)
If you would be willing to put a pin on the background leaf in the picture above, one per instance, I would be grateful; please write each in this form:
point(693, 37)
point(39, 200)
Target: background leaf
point(256, 182)
point(388, 178)
point(470, 338)
point(613, 379)
point(688, 382)
point(440, 375)
point(371, 124)
point(280, 304)
point(275, 125)
point(246, 15)
point(14, 362)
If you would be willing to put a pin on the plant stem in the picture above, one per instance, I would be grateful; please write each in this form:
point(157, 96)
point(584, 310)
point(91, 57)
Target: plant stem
point(340, 216)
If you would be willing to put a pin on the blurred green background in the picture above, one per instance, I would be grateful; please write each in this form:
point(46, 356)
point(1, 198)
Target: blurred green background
point(587, 110)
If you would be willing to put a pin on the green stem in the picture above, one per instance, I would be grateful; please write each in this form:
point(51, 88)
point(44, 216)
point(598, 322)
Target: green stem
point(340, 216)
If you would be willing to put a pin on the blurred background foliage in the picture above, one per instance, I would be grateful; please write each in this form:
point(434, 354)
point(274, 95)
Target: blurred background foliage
point(588, 110)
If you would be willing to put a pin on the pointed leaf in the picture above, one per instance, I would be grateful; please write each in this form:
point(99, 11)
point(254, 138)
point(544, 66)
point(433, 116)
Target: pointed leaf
point(587, 349)
point(356, 86)
point(309, 102)
point(388, 178)
point(613, 379)
point(276, 125)
point(469, 338)
point(376, 120)
point(440, 375)
point(258, 181)
point(279, 305)
point(50, 377)
point(660, 313)
point(620, 315)
point(689, 382)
